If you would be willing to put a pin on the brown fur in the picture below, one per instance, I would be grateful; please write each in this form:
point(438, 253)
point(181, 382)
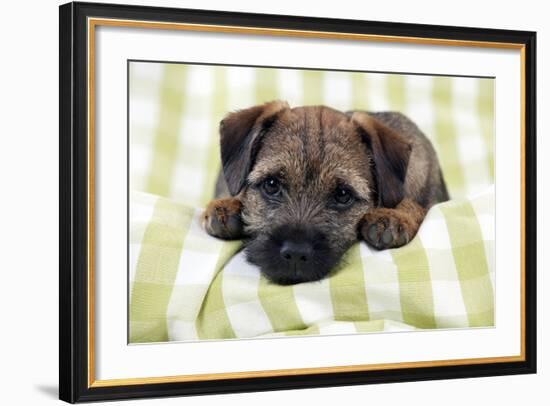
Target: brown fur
point(382, 158)
point(391, 228)
point(222, 218)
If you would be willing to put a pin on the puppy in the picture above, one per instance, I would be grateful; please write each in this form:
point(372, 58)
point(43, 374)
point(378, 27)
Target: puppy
point(303, 184)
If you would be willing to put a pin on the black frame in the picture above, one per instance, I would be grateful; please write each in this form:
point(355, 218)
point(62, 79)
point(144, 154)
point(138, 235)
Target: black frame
point(73, 196)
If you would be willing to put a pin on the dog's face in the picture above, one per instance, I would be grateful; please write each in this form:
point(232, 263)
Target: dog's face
point(305, 178)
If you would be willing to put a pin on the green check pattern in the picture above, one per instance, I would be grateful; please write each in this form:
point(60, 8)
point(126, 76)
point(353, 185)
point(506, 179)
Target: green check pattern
point(186, 285)
point(175, 110)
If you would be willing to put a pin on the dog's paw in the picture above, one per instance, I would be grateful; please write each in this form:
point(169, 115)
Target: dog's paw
point(222, 219)
point(387, 228)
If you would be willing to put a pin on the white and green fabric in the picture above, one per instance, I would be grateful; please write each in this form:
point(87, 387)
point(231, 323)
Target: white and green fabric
point(175, 110)
point(186, 285)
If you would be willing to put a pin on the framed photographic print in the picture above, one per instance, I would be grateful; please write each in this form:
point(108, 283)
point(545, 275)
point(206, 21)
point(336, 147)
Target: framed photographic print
point(255, 202)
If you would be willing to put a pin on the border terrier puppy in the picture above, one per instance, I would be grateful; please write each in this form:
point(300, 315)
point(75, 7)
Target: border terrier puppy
point(303, 184)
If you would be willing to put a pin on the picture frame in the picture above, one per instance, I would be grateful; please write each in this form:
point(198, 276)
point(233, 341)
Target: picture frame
point(79, 192)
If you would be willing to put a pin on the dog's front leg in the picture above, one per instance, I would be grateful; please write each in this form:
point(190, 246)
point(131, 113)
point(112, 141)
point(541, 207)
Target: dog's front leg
point(222, 218)
point(391, 228)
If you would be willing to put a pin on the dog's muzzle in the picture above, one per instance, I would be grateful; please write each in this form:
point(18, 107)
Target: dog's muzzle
point(292, 254)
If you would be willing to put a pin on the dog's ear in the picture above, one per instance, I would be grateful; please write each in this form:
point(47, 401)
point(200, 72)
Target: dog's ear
point(391, 152)
point(241, 133)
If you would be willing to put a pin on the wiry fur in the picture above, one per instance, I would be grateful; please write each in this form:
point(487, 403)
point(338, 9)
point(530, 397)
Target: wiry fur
point(383, 158)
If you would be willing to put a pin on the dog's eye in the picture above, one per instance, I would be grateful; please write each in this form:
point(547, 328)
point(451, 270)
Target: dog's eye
point(272, 186)
point(343, 196)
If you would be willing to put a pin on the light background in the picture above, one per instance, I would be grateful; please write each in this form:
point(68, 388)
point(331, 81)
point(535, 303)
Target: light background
point(175, 110)
point(28, 165)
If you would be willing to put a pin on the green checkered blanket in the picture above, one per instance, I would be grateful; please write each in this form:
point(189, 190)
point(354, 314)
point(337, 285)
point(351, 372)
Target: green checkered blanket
point(175, 110)
point(187, 285)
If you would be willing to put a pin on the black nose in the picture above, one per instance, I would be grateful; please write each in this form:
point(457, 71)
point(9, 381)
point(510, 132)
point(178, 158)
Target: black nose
point(296, 252)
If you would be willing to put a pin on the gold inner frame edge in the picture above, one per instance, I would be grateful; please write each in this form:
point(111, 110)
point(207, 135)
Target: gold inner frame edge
point(93, 22)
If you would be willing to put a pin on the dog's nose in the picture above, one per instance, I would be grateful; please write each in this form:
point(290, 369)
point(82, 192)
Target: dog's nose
point(296, 252)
